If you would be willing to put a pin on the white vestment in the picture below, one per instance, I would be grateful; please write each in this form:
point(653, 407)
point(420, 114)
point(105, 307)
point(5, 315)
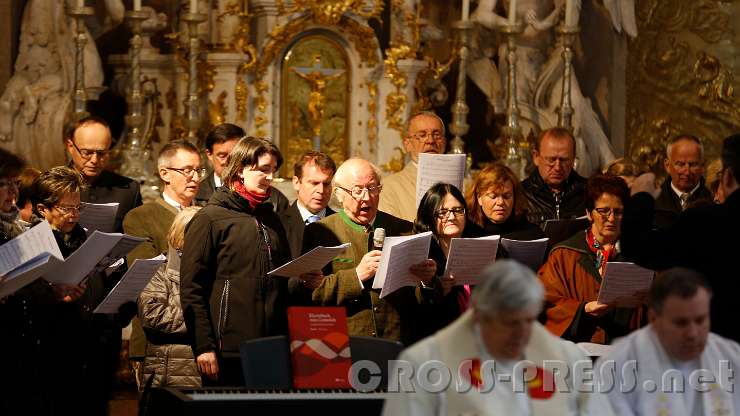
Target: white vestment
point(459, 343)
point(648, 382)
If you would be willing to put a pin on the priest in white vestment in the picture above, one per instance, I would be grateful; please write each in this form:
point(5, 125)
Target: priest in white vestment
point(674, 366)
point(500, 359)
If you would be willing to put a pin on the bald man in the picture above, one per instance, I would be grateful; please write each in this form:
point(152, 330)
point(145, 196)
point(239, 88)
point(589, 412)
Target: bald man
point(425, 133)
point(347, 281)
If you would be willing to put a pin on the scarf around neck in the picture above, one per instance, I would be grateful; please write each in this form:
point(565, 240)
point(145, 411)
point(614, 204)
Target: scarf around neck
point(253, 198)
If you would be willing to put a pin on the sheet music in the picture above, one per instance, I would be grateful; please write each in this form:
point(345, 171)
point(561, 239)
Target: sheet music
point(99, 217)
point(433, 168)
point(624, 283)
point(99, 250)
point(399, 254)
point(29, 245)
point(315, 259)
point(26, 274)
point(594, 350)
point(469, 256)
point(131, 284)
point(530, 253)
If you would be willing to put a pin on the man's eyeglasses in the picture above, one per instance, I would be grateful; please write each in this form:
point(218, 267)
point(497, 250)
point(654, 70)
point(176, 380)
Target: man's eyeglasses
point(679, 164)
point(456, 212)
point(550, 161)
point(190, 172)
point(88, 153)
point(358, 192)
point(423, 136)
point(6, 183)
point(607, 212)
point(67, 211)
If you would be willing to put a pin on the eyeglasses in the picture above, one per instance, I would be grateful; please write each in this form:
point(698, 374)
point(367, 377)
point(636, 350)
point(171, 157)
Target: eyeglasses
point(550, 160)
point(423, 136)
point(679, 164)
point(190, 172)
point(358, 192)
point(67, 211)
point(88, 153)
point(607, 212)
point(6, 183)
point(456, 212)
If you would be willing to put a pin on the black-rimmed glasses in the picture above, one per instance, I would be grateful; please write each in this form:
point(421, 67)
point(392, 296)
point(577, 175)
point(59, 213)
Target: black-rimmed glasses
point(88, 153)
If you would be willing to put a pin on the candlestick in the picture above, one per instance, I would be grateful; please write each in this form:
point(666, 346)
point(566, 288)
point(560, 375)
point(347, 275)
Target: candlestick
point(513, 148)
point(460, 109)
point(465, 10)
point(512, 12)
point(137, 5)
point(565, 112)
point(79, 14)
point(570, 13)
point(192, 109)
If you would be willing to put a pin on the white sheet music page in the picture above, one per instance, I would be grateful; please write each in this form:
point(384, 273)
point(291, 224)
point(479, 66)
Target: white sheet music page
point(469, 256)
point(26, 274)
point(131, 284)
point(399, 254)
point(100, 217)
point(530, 253)
point(100, 250)
point(315, 259)
point(625, 284)
point(27, 246)
point(433, 168)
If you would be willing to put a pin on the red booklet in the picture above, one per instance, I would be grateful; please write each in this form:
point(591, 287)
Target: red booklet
point(319, 347)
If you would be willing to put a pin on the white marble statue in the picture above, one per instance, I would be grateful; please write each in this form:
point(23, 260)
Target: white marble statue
point(38, 98)
point(540, 70)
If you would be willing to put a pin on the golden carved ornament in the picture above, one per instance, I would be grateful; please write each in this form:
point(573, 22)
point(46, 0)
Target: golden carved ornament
point(677, 82)
point(330, 12)
point(217, 109)
point(434, 70)
point(396, 101)
point(372, 110)
point(396, 163)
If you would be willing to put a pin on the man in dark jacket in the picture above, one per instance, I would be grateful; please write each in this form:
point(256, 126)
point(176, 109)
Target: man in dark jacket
point(88, 143)
point(313, 173)
point(703, 238)
point(554, 190)
point(685, 164)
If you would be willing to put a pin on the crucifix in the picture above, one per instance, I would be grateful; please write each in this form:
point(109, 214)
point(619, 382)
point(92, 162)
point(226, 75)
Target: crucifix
point(317, 77)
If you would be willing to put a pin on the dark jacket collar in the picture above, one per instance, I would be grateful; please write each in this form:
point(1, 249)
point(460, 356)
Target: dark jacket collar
point(572, 183)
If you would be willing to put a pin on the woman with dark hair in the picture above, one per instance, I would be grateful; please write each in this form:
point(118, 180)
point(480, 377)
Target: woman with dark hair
point(442, 211)
point(230, 245)
point(573, 272)
point(497, 203)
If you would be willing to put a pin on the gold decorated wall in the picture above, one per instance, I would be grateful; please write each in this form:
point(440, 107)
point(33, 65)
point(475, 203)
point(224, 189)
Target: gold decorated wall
point(681, 75)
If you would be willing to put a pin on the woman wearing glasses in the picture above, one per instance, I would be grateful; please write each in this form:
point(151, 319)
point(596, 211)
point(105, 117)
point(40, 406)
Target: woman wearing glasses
point(573, 272)
point(442, 211)
point(497, 203)
point(230, 245)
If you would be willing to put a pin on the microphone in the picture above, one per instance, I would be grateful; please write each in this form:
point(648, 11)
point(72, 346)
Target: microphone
point(378, 237)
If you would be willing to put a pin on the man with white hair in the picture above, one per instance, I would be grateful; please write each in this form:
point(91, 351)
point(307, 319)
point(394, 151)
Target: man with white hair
point(675, 354)
point(500, 360)
point(425, 133)
point(684, 186)
point(347, 281)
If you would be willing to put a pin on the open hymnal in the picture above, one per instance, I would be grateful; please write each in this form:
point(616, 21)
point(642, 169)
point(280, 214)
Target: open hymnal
point(625, 284)
point(560, 230)
point(433, 168)
point(530, 253)
point(101, 217)
point(131, 284)
point(315, 259)
point(594, 350)
point(469, 256)
point(399, 254)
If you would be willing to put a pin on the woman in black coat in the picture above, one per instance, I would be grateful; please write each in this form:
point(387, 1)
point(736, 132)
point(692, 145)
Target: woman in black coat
point(230, 245)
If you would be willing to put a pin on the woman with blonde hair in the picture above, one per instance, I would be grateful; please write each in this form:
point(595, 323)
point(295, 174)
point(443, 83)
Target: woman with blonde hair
point(169, 358)
point(496, 202)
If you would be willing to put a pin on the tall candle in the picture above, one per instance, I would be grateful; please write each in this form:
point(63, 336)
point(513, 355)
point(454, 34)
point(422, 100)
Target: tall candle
point(193, 6)
point(137, 5)
point(465, 10)
point(512, 12)
point(570, 13)
point(80, 4)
